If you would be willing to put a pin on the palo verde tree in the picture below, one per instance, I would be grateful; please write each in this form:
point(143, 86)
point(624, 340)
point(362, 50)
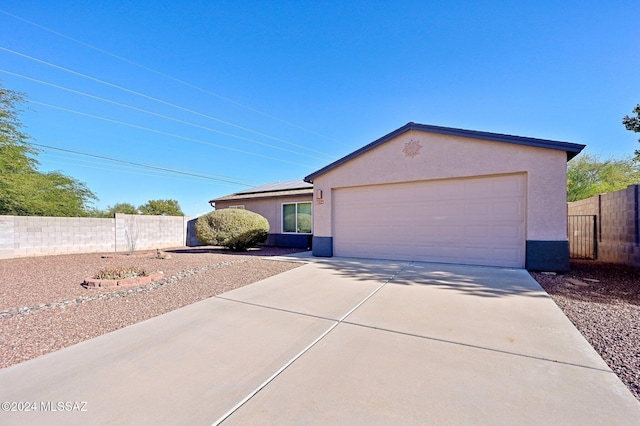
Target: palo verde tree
point(588, 175)
point(633, 123)
point(23, 189)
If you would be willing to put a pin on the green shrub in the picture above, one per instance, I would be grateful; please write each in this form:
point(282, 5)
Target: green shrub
point(120, 273)
point(236, 229)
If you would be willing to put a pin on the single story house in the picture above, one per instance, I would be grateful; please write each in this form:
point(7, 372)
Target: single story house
point(434, 194)
point(286, 205)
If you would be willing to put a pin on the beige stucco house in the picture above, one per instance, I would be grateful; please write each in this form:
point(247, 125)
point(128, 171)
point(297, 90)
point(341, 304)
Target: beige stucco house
point(286, 205)
point(439, 194)
point(429, 193)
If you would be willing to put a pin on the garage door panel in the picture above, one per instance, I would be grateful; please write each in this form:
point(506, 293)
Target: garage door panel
point(477, 232)
point(507, 209)
point(513, 232)
point(474, 221)
point(483, 208)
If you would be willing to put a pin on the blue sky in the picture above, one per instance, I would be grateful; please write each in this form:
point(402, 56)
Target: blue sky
point(252, 92)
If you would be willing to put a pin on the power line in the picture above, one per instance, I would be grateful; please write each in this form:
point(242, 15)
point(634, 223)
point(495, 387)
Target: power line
point(134, 170)
point(149, 166)
point(97, 117)
point(166, 117)
point(126, 171)
point(73, 148)
point(115, 86)
point(113, 55)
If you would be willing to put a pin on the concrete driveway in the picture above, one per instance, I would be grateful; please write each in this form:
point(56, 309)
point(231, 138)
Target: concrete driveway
point(337, 341)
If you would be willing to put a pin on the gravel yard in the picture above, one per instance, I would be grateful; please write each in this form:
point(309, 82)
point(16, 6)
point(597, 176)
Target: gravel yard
point(44, 307)
point(603, 301)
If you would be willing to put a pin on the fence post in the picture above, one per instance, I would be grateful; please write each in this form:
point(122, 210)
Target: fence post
point(595, 237)
point(636, 221)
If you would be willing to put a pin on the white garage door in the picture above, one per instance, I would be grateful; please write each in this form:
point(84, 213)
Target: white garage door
point(477, 221)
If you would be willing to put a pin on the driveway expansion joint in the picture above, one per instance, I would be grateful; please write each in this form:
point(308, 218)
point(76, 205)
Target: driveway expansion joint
point(302, 352)
point(483, 348)
point(289, 311)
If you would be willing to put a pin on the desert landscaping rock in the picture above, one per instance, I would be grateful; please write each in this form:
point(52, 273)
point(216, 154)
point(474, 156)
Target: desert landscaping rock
point(603, 302)
point(43, 307)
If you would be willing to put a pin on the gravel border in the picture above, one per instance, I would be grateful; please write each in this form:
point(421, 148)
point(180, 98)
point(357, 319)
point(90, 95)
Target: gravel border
point(51, 310)
point(603, 301)
point(44, 308)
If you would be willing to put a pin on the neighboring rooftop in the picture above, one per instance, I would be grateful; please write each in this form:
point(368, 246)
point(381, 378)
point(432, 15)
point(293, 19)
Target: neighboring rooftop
point(278, 189)
point(572, 149)
point(278, 186)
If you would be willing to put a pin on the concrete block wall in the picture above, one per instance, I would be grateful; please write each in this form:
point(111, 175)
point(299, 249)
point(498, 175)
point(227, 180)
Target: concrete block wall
point(144, 232)
point(588, 206)
point(618, 224)
point(22, 236)
point(619, 227)
point(33, 236)
point(6, 236)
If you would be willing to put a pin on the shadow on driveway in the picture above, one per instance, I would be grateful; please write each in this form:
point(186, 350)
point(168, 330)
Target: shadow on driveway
point(481, 281)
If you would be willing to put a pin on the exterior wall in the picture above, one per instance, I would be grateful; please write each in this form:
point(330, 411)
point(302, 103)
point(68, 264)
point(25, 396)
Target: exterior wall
point(445, 157)
point(145, 232)
point(618, 224)
point(22, 236)
point(271, 209)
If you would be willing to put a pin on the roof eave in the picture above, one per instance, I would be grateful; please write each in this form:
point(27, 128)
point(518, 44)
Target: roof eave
point(252, 196)
point(572, 149)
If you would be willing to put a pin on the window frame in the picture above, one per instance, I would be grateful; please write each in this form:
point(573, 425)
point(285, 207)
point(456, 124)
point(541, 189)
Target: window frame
point(296, 203)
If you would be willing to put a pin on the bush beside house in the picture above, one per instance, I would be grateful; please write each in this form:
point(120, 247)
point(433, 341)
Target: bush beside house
point(235, 229)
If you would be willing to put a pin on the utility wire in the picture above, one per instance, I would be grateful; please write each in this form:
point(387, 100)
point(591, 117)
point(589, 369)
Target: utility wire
point(177, 80)
point(166, 117)
point(115, 86)
point(128, 172)
point(149, 166)
point(97, 117)
point(134, 170)
point(125, 167)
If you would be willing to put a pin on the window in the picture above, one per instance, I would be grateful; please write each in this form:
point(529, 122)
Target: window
point(236, 207)
point(296, 218)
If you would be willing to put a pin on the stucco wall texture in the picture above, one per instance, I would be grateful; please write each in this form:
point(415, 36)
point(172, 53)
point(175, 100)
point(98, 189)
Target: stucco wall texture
point(270, 208)
point(618, 224)
point(449, 157)
point(22, 236)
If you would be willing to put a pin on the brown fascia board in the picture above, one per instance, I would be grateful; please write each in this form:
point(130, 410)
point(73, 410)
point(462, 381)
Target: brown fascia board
point(572, 149)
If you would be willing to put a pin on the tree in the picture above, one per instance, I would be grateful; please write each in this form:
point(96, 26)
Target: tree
point(587, 176)
point(633, 124)
point(111, 211)
point(23, 189)
point(161, 207)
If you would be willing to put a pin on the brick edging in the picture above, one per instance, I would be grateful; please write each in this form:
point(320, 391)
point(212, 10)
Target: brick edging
point(127, 282)
point(122, 292)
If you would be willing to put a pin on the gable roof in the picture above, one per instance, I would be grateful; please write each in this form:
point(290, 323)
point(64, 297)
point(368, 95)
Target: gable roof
point(270, 190)
point(572, 149)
